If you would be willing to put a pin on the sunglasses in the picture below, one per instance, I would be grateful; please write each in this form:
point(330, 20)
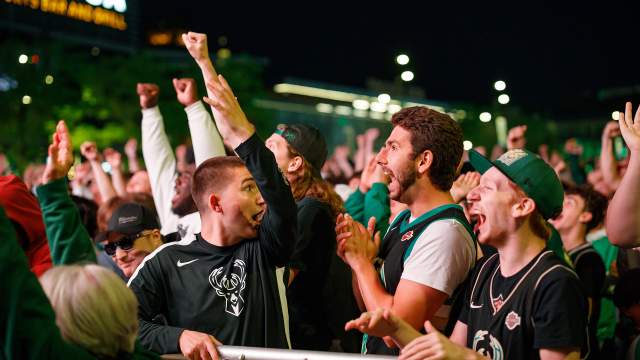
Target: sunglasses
point(125, 243)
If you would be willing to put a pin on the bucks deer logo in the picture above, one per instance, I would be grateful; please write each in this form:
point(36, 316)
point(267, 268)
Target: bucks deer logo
point(230, 286)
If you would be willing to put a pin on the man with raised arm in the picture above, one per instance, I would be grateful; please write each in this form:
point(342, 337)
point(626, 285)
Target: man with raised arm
point(223, 286)
point(171, 189)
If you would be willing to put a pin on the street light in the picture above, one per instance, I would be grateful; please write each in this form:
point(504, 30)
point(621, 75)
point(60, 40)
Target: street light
point(615, 115)
point(503, 99)
point(48, 79)
point(500, 85)
point(402, 59)
point(384, 98)
point(406, 76)
point(22, 59)
point(26, 99)
point(467, 145)
point(485, 117)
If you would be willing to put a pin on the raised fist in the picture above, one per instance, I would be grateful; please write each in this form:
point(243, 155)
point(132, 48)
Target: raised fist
point(113, 157)
point(186, 91)
point(196, 44)
point(131, 148)
point(89, 150)
point(148, 95)
point(516, 138)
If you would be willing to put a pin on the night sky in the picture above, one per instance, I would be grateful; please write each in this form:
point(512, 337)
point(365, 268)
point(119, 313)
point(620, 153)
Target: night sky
point(553, 58)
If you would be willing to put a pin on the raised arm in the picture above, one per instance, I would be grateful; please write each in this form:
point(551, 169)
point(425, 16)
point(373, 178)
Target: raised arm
point(131, 150)
point(158, 156)
point(89, 150)
point(114, 158)
point(69, 241)
point(623, 215)
point(277, 232)
point(608, 162)
point(204, 135)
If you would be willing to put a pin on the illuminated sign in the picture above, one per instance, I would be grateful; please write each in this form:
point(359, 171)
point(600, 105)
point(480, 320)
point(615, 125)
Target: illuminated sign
point(93, 11)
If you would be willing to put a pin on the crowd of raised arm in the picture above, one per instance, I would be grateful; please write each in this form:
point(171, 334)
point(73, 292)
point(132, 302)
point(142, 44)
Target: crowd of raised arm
point(410, 247)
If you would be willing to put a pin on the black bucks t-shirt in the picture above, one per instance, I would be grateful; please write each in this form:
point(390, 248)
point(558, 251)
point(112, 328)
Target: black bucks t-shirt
point(541, 306)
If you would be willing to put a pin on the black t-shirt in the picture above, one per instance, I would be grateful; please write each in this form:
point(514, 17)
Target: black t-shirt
point(315, 245)
point(541, 306)
point(234, 293)
point(591, 272)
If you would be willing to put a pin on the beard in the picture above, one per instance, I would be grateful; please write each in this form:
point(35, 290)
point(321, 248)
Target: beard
point(405, 180)
point(184, 207)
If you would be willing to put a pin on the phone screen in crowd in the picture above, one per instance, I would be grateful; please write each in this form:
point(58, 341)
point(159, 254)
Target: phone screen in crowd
point(620, 149)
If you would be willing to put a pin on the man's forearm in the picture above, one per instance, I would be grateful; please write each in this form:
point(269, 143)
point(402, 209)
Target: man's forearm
point(373, 294)
point(102, 180)
point(161, 339)
point(623, 227)
point(608, 164)
point(206, 139)
point(118, 182)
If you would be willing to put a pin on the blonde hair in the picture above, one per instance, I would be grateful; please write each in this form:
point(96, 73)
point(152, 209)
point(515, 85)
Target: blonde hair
point(94, 308)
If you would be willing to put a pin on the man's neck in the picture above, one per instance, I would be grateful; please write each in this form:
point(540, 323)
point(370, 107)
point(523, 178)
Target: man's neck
point(426, 198)
point(574, 237)
point(214, 232)
point(518, 250)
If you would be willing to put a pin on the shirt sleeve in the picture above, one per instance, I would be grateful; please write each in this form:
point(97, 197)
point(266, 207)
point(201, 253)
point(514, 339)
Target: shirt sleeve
point(442, 256)
point(354, 205)
point(376, 204)
point(205, 137)
point(277, 231)
point(559, 311)
point(161, 166)
point(69, 241)
point(27, 319)
point(146, 284)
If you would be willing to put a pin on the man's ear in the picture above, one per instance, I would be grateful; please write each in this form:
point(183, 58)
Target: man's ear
point(295, 164)
point(156, 238)
point(585, 217)
point(523, 207)
point(214, 203)
point(425, 159)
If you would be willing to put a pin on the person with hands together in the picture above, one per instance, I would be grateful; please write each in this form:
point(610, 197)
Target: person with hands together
point(429, 249)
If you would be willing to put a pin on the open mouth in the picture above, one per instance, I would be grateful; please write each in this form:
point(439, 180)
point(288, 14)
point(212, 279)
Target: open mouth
point(258, 217)
point(477, 219)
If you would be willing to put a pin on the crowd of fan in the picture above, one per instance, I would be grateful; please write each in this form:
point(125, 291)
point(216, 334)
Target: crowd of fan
point(233, 240)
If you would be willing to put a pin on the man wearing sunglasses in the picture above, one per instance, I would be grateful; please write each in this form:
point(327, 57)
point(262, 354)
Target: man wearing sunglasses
point(133, 232)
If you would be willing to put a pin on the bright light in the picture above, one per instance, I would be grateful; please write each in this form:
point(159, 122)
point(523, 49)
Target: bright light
point(393, 108)
point(378, 107)
point(406, 75)
point(468, 145)
point(461, 114)
point(48, 79)
point(26, 99)
point(500, 85)
point(376, 115)
point(342, 110)
point(384, 98)
point(361, 104)
point(22, 59)
point(402, 59)
point(324, 108)
point(315, 92)
point(503, 99)
point(615, 115)
point(106, 166)
point(360, 113)
point(485, 117)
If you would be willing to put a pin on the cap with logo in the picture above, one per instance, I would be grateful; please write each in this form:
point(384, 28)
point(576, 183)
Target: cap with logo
point(307, 141)
point(532, 174)
point(131, 219)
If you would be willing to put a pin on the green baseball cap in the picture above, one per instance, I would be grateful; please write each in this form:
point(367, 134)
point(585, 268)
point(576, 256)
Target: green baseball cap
point(532, 174)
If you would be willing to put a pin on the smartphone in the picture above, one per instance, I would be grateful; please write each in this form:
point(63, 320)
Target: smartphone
point(620, 149)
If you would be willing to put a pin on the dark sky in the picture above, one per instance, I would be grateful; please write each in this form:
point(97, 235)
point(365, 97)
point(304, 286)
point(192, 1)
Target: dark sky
point(553, 58)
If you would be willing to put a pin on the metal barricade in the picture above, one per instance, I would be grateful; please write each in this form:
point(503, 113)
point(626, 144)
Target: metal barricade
point(254, 353)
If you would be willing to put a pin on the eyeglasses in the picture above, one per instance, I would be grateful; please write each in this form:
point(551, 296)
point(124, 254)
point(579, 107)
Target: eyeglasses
point(125, 243)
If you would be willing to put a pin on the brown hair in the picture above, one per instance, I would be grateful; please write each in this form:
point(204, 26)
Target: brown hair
point(437, 132)
point(537, 223)
point(212, 176)
point(304, 184)
point(594, 202)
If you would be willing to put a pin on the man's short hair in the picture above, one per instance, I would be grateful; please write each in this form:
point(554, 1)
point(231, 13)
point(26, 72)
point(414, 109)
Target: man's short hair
point(594, 202)
point(437, 132)
point(212, 176)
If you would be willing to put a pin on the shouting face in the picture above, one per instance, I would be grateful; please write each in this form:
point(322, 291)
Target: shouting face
point(397, 161)
point(242, 205)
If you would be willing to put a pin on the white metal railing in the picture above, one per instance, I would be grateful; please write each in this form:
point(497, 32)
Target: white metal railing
point(254, 353)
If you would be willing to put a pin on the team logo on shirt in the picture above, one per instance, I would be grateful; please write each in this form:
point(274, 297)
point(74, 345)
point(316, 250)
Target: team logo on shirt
point(407, 236)
point(490, 347)
point(512, 320)
point(230, 286)
point(497, 303)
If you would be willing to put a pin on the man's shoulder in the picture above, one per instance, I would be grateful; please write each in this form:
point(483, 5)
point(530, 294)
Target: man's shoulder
point(446, 231)
point(553, 272)
point(165, 253)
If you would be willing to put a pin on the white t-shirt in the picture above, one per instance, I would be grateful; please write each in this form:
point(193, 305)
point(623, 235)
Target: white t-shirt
point(441, 257)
